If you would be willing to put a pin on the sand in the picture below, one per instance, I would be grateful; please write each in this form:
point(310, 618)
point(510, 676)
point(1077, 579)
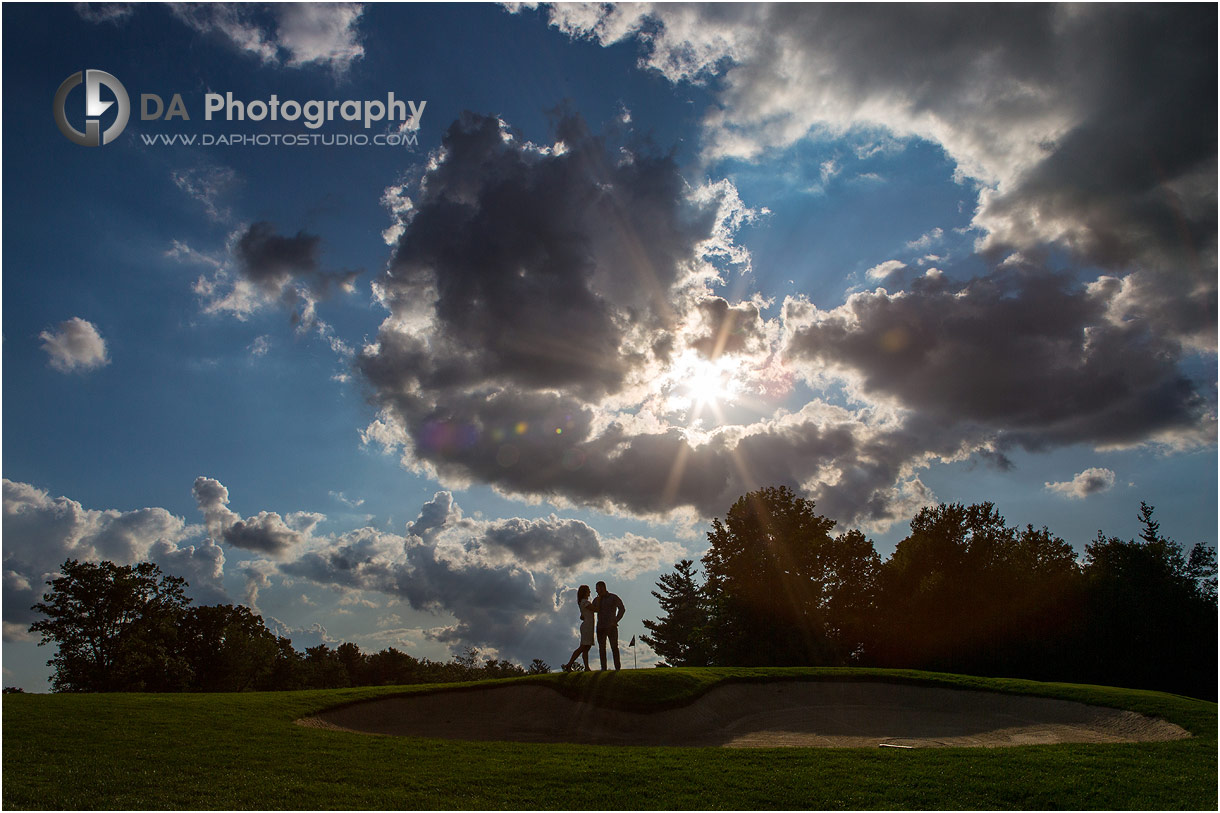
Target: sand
point(756, 715)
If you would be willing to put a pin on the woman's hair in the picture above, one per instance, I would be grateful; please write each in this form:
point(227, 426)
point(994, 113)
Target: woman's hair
point(581, 595)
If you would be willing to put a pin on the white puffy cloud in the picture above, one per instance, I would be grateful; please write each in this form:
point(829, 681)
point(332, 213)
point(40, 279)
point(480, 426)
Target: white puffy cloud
point(502, 581)
point(41, 533)
point(927, 239)
point(497, 584)
point(1090, 481)
point(883, 270)
point(292, 34)
point(74, 346)
point(303, 637)
point(213, 499)
point(320, 34)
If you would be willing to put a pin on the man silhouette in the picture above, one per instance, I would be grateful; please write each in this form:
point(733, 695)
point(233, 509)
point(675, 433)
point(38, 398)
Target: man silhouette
point(610, 610)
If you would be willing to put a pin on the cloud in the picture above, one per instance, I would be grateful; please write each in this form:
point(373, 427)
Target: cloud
point(1088, 482)
point(348, 501)
point(927, 240)
point(501, 580)
point(545, 306)
point(258, 578)
point(41, 532)
point(213, 499)
point(274, 262)
point(321, 34)
point(883, 270)
point(234, 22)
point(264, 533)
point(207, 186)
point(498, 584)
point(260, 346)
point(114, 13)
point(1024, 354)
point(515, 251)
point(262, 268)
point(293, 34)
point(482, 374)
point(303, 637)
point(1081, 126)
point(74, 346)
point(532, 348)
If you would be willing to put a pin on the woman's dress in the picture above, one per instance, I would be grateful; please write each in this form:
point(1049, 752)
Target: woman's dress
point(586, 623)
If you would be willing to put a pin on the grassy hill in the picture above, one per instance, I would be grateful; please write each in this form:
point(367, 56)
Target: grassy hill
point(232, 751)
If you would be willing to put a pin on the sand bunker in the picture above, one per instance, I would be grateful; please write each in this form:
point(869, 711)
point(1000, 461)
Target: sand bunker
point(757, 715)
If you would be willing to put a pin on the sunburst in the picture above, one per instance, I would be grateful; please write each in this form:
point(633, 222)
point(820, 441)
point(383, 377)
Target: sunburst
point(698, 386)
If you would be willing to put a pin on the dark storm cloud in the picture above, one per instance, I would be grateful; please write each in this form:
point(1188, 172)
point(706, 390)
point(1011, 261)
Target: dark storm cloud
point(530, 284)
point(1135, 177)
point(536, 260)
point(267, 532)
point(264, 533)
point(539, 295)
point(1089, 127)
point(1026, 354)
point(655, 472)
point(728, 328)
point(272, 261)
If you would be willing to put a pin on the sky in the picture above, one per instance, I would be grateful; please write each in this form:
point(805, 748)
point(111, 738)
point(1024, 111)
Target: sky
point(407, 375)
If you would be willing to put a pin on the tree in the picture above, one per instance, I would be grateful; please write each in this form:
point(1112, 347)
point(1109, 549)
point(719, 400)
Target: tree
point(115, 628)
point(679, 636)
point(288, 670)
point(776, 579)
point(965, 592)
point(848, 567)
point(324, 669)
point(499, 668)
point(390, 666)
point(538, 667)
point(354, 662)
point(1151, 612)
point(228, 648)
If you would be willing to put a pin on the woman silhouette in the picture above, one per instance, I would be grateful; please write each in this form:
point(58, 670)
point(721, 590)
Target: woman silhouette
point(586, 629)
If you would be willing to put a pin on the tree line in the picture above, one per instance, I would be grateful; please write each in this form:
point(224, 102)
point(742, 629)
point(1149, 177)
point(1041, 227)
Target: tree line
point(962, 592)
point(130, 628)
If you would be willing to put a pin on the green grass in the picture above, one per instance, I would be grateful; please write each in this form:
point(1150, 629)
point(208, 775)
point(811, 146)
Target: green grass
point(242, 751)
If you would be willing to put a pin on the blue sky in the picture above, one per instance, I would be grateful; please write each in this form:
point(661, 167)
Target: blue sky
point(638, 261)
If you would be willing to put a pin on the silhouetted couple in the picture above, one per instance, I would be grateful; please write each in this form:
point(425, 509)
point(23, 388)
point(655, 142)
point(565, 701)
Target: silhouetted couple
point(609, 610)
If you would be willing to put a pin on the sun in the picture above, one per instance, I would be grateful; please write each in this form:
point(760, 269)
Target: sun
point(698, 386)
point(708, 385)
